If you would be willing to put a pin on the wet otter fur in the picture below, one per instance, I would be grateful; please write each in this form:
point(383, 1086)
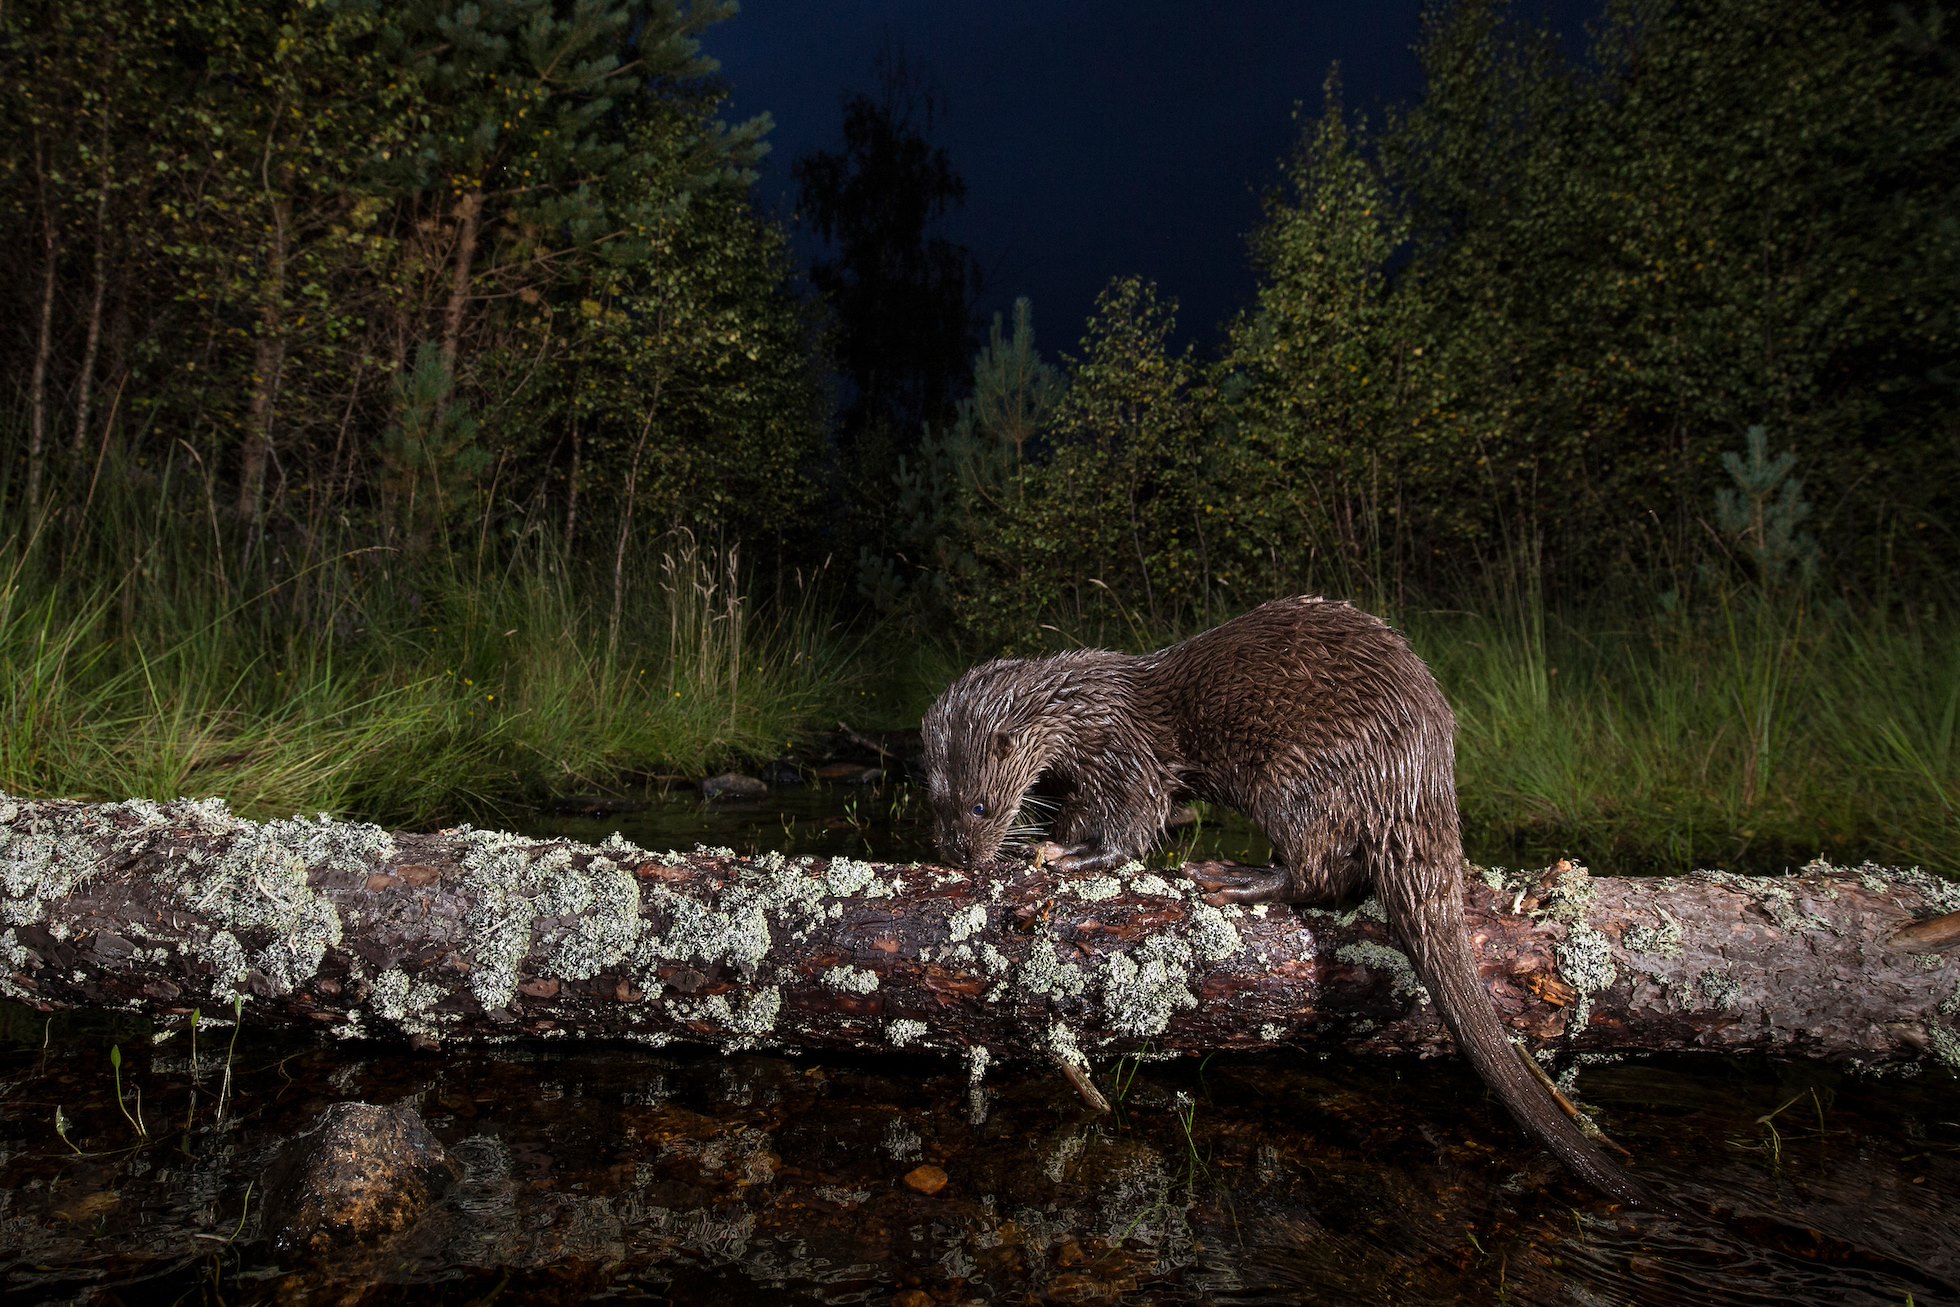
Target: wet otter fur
point(1311, 717)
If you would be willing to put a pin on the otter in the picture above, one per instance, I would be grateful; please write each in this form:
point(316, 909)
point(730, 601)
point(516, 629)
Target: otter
point(1314, 719)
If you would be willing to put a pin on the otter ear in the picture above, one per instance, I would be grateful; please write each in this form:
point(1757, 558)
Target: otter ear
point(1003, 744)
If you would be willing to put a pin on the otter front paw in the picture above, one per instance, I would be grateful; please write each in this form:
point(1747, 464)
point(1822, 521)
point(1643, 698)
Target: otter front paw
point(1226, 882)
point(1080, 858)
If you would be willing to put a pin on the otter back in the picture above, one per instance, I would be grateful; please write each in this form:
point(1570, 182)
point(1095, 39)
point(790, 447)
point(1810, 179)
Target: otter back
point(1311, 717)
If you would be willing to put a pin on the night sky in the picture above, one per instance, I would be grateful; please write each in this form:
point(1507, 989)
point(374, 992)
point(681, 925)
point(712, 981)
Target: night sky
point(1096, 137)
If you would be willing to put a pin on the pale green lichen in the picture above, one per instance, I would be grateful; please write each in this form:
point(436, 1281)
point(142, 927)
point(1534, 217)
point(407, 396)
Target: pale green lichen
point(1370, 908)
point(1213, 937)
point(1781, 904)
point(845, 877)
point(578, 911)
point(1663, 941)
point(1148, 883)
point(851, 980)
point(256, 881)
point(226, 957)
point(904, 1031)
point(1718, 990)
point(1064, 1048)
point(1140, 997)
point(260, 882)
point(1568, 897)
point(978, 1056)
point(1094, 889)
point(1585, 959)
point(1045, 974)
point(397, 998)
point(1946, 1044)
point(747, 1024)
point(967, 922)
point(1271, 1033)
point(1380, 957)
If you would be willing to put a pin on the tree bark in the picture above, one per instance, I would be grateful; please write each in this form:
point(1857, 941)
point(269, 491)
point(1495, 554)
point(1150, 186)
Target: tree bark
point(85, 386)
point(469, 214)
point(268, 362)
point(37, 382)
point(468, 935)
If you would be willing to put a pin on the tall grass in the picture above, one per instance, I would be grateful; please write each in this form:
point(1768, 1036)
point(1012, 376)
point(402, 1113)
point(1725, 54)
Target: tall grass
point(1760, 729)
point(150, 656)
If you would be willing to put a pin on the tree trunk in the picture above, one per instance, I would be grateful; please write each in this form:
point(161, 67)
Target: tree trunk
point(37, 382)
point(85, 386)
point(268, 360)
point(469, 213)
point(472, 935)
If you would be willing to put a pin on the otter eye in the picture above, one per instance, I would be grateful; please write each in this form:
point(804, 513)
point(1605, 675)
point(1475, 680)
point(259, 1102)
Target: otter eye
point(979, 809)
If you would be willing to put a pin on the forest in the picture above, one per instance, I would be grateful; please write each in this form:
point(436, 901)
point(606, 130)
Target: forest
point(410, 411)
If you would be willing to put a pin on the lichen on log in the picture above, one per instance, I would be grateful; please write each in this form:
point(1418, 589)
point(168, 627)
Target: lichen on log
point(356, 932)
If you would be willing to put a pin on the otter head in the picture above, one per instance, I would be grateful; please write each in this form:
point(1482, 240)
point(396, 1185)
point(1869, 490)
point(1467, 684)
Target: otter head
point(981, 756)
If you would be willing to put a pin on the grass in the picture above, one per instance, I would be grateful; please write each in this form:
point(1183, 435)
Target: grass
point(143, 665)
point(1757, 730)
point(1740, 726)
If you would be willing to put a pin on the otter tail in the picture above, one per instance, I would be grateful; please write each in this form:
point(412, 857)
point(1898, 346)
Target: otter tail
point(1433, 929)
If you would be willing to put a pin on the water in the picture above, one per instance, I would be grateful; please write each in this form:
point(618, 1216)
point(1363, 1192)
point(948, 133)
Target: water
point(602, 1172)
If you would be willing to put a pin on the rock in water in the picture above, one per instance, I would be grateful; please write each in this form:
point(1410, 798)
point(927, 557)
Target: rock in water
point(360, 1175)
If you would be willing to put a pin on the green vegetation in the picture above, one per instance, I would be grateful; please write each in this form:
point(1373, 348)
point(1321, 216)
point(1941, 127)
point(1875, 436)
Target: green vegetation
point(446, 692)
point(377, 370)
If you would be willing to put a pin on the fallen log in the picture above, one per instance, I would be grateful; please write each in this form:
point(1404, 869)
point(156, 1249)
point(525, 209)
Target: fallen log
point(467, 935)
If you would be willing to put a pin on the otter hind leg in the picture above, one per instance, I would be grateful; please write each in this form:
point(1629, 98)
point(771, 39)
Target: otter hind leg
point(1225, 884)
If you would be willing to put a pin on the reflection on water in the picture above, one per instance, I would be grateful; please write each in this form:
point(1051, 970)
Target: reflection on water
point(695, 1177)
point(590, 1171)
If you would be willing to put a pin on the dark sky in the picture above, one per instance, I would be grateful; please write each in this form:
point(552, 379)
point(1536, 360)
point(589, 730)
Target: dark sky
point(1096, 137)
